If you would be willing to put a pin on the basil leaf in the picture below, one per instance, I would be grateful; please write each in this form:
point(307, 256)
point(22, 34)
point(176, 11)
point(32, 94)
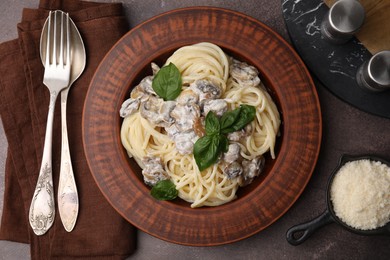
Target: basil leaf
point(201, 145)
point(223, 144)
point(167, 82)
point(212, 125)
point(164, 190)
point(206, 151)
point(228, 118)
point(246, 115)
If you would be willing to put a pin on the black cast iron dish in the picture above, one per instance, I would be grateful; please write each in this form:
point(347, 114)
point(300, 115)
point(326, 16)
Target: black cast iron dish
point(299, 233)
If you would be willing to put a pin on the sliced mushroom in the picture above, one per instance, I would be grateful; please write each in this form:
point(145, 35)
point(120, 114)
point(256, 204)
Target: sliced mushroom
point(233, 170)
point(138, 93)
point(252, 168)
point(165, 112)
point(146, 85)
point(218, 106)
point(185, 116)
point(143, 90)
point(172, 131)
point(153, 171)
point(244, 74)
point(187, 96)
point(129, 107)
point(184, 142)
point(206, 89)
point(233, 153)
point(155, 68)
point(157, 111)
point(237, 135)
point(149, 109)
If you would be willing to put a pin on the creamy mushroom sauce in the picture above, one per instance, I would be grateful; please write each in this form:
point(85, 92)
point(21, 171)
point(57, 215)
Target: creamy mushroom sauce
point(183, 121)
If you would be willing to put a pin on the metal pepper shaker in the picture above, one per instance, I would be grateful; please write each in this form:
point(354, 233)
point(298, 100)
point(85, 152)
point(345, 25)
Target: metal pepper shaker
point(374, 74)
point(342, 21)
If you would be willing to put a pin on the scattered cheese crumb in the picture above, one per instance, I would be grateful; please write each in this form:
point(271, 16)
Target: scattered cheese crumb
point(360, 194)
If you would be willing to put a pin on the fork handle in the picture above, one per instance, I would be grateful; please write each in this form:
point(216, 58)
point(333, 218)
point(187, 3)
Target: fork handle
point(68, 201)
point(42, 208)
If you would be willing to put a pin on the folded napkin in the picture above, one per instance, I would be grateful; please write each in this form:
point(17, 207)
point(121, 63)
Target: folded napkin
point(375, 32)
point(100, 232)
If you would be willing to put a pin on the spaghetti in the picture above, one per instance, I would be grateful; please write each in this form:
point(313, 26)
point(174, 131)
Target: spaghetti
point(160, 135)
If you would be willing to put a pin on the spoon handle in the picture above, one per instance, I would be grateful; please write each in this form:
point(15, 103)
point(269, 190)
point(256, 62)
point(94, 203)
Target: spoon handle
point(68, 201)
point(42, 208)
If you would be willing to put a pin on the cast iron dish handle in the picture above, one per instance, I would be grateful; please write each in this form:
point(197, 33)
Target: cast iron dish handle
point(293, 234)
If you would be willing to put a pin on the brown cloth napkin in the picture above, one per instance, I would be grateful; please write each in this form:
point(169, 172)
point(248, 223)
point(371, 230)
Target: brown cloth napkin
point(100, 232)
point(375, 32)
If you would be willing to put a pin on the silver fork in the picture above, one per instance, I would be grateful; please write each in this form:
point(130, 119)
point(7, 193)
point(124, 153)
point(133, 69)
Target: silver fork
point(56, 78)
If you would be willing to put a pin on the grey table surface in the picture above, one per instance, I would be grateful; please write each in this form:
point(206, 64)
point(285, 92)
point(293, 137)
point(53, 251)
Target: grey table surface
point(346, 130)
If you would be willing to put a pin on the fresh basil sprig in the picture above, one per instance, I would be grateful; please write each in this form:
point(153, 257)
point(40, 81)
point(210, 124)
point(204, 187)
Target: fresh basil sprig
point(167, 82)
point(164, 190)
point(237, 119)
point(208, 148)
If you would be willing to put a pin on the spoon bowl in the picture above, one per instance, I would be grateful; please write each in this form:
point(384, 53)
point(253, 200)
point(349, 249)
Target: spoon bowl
point(77, 51)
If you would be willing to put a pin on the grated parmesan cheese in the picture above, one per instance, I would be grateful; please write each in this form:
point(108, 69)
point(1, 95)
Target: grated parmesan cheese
point(360, 194)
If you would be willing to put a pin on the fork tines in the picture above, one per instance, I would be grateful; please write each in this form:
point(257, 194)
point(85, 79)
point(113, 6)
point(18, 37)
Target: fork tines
point(60, 22)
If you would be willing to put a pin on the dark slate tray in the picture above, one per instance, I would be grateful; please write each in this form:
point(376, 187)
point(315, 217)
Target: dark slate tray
point(334, 65)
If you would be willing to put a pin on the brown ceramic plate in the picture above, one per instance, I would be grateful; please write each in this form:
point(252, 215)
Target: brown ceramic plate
point(259, 204)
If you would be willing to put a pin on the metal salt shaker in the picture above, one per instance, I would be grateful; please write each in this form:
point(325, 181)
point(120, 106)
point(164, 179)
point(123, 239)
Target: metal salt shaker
point(374, 74)
point(342, 21)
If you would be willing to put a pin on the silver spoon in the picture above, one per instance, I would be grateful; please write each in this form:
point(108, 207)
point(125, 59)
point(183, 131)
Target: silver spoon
point(68, 201)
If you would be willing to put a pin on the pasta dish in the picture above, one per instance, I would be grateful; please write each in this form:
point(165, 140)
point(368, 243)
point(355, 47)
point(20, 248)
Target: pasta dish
point(208, 135)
